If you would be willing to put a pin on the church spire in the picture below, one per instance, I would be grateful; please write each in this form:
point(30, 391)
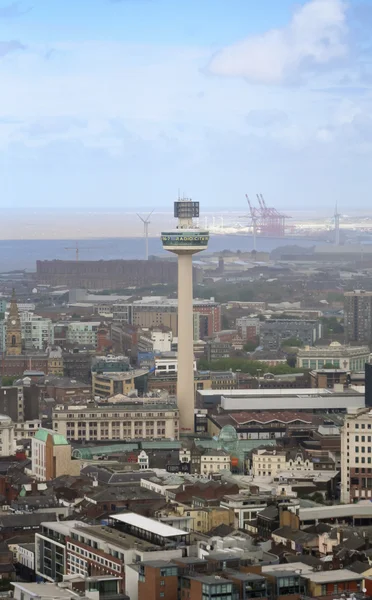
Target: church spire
point(13, 329)
point(13, 311)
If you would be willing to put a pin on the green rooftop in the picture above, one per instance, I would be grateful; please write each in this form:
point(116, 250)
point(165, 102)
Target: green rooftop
point(58, 439)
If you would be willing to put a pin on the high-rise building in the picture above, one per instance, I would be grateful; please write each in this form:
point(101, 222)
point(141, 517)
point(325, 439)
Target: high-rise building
point(13, 330)
point(185, 241)
point(358, 316)
point(356, 457)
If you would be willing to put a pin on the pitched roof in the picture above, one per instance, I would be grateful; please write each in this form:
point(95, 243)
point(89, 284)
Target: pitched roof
point(58, 439)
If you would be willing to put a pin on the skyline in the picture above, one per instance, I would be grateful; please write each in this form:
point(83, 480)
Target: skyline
point(120, 103)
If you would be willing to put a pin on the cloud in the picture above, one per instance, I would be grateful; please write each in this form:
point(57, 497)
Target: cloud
point(8, 47)
point(53, 126)
point(12, 11)
point(266, 118)
point(315, 37)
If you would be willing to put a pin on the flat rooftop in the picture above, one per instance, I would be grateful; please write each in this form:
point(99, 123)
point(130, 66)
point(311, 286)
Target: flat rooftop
point(274, 392)
point(337, 511)
point(147, 524)
point(333, 576)
point(63, 527)
point(43, 590)
point(114, 537)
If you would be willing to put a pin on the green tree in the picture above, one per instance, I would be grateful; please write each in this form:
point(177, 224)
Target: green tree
point(225, 322)
point(332, 325)
point(8, 380)
point(292, 342)
point(251, 345)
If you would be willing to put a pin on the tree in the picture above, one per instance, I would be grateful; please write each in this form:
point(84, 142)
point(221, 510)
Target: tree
point(224, 322)
point(8, 380)
point(332, 325)
point(250, 345)
point(244, 365)
point(292, 342)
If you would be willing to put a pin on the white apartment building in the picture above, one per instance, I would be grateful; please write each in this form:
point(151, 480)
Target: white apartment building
point(26, 429)
point(167, 364)
point(245, 507)
point(37, 333)
point(356, 456)
point(83, 333)
point(162, 340)
point(127, 421)
point(26, 555)
point(214, 461)
point(7, 444)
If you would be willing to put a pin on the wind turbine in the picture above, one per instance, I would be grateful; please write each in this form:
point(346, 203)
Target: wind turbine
point(146, 222)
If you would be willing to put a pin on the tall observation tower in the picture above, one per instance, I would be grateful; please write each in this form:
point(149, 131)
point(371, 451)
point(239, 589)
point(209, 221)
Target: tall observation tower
point(187, 239)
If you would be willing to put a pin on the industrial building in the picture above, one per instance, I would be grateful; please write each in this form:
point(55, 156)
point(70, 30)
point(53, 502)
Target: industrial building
point(307, 399)
point(105, 274)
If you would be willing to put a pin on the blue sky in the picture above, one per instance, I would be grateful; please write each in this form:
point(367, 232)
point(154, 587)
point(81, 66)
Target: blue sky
point(120, 103)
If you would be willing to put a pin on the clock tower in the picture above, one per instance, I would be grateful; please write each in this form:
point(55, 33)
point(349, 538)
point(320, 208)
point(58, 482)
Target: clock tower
point(13, 330)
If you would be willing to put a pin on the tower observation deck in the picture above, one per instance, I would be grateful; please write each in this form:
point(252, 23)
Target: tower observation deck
point(187, 239)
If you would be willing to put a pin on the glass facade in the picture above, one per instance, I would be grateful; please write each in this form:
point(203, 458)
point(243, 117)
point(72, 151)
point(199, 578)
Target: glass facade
point(186, 209)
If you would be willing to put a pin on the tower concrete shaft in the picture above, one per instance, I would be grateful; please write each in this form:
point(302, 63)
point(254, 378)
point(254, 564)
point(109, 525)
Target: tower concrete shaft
point(185, 241)
point(185, 376)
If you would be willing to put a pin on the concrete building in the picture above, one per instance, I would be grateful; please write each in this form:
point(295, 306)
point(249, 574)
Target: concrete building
point(185, 241)
point(122, 312)
point(167, 363)
point(105, 385)
point(37, 333)
point(55, 360)
point(161, 311)
point(216, 350)
point(273, 462)
point(51, 456)
point(349, 358)
point(358, 316)
point(83, 333)
point(140, 419)
point(214, 461)
point(248, 328)
point(162, 340)
point(275, 331)
point(356, 456)
point(7, 443)
point(110, 364)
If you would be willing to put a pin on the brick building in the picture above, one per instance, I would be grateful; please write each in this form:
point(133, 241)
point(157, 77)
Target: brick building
point(105, 274)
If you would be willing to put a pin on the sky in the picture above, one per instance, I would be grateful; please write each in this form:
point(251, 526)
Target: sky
point(109, 104)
